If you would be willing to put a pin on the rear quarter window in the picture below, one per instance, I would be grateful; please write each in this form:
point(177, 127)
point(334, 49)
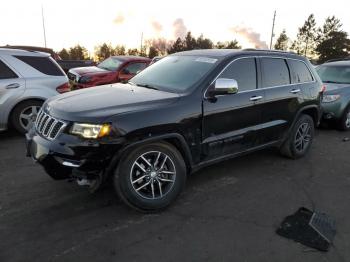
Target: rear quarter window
point(43, 64)
point(300, 73)
point(6, 72)
point(275, 72)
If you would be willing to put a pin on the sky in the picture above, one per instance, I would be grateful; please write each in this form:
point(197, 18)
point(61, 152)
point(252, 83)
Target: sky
point(92, 22)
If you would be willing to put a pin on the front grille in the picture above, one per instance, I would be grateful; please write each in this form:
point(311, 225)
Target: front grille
point(48, 126)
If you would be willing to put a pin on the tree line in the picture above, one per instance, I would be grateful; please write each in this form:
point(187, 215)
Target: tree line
point(326, 42)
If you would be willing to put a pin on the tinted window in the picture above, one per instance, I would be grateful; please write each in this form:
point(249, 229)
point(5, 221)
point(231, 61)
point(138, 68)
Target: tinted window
point(244, 72)
point(134, 68)
point(275, 72)
point(42, 64)
point(299, 72)
point(6, 72)
point(334, 74)
point(175, 73)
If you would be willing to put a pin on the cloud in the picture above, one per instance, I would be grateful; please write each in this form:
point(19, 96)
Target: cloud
point(156, 26)
point(119, 19)
point(180, 30)
point(251, 36)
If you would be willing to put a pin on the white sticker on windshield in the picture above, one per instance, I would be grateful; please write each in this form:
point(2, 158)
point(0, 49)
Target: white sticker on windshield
point(206, 60)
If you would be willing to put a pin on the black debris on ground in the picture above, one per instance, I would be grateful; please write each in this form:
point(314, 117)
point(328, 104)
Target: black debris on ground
point(312, 229)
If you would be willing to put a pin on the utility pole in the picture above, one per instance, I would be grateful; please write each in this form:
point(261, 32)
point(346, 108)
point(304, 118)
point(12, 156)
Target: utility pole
point(42, 15)
point(141, 43)
point(273, 29)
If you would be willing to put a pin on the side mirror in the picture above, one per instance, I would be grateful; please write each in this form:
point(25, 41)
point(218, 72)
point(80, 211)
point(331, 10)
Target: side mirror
point(225, 86)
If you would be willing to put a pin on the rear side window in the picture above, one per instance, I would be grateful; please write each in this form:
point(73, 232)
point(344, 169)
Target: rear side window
point(134, 68)
point(244, 72)
point(299, 72)
point(6, 72)
point(275, 72)
point(42, 64)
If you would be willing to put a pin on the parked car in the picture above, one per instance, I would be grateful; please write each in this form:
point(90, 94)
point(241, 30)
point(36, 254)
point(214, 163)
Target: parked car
point(187, 111)
point(112, 70)
point(27, 79)
point(64, 64)
point(336, 100)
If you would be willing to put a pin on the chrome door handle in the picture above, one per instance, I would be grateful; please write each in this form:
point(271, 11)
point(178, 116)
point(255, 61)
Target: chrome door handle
point(255, 98)
point(295, 91)
point(12, 86)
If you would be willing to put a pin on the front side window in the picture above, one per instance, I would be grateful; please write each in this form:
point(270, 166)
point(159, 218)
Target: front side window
point(299, 72)
point(134, 68)
point(334, 74)
point(110, 64)
point(275, 72)
point(175, 73)
point(244, 72)
point(6, 72)
point(43, 64)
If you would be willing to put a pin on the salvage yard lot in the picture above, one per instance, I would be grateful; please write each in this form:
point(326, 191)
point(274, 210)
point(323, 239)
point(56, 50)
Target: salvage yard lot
point(228, 212)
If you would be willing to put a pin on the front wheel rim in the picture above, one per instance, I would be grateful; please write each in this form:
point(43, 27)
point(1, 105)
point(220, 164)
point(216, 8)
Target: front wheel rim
point(27, 116)
point(302, 137)
point(153, 175)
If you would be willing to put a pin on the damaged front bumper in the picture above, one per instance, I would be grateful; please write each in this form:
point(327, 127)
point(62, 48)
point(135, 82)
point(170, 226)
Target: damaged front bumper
point(69, 156)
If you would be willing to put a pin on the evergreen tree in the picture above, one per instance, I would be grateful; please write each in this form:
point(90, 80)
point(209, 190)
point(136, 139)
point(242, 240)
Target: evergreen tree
point(282, 41)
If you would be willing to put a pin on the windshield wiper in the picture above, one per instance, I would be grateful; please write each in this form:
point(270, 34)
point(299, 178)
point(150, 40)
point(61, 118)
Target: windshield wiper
point(144, 85)
point(332, 82)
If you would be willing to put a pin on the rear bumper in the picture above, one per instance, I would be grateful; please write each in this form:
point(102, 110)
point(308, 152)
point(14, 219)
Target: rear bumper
point(68, 156)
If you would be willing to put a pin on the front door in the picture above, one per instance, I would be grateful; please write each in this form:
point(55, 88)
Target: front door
point(232, 122)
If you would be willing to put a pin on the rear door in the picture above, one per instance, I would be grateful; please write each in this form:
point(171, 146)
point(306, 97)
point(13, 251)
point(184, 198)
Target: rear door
point(231, 123)
point(12, 86)
point(282, 98)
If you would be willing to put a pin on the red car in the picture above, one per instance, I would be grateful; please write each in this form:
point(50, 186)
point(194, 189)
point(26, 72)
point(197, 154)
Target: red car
point(112, 70)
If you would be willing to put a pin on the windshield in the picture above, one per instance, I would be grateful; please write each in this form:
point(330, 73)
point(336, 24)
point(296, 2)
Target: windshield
point(175, 73)
point(334, 74)
point(110, 64)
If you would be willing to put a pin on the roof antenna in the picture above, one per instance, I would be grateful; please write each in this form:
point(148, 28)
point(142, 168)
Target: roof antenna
point(42, 15)
point(273, 29)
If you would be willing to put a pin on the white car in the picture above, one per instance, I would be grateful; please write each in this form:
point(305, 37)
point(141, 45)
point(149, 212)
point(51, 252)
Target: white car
point(27, 79)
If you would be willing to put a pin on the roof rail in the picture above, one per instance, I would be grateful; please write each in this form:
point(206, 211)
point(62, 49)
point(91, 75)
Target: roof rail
point(268, 50)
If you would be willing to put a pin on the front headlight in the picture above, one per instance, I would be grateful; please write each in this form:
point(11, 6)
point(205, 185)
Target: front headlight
point(330, 98)
point(90, 130)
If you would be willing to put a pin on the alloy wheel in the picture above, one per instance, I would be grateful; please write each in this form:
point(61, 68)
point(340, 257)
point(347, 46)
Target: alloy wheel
point(28, 116)
point(347, 120)
point(302, 137)
point(153, 175)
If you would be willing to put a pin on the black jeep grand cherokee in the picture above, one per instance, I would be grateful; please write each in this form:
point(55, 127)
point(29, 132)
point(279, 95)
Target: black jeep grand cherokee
point(184, 112)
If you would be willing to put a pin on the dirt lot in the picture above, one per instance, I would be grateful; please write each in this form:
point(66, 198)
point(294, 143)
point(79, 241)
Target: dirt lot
point(228, 212)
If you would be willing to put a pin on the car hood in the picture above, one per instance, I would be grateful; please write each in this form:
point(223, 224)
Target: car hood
point(102, 102)
point(89, 70)
point(336, 88)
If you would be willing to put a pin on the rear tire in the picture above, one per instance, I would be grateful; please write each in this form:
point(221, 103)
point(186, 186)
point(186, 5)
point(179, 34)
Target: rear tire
point(24, 114)
point(344, 122)
point(300, 138)
point(149, 178)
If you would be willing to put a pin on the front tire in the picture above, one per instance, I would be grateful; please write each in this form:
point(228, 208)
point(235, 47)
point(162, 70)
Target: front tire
point(300, 138)
point(150, 177)
point(344, 122)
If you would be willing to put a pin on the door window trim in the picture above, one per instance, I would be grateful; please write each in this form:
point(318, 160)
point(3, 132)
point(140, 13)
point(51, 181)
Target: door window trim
point(9, 67)
point(262, 88)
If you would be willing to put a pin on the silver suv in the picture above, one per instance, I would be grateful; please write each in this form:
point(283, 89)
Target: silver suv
point(27, 79)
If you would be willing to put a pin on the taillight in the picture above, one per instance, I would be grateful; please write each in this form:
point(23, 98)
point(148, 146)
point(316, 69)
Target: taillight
point(63, 88)
point(323, 89)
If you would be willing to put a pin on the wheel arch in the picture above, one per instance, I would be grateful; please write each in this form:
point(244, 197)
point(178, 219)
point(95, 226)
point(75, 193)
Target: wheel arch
point(40, 99)
point(174, 139)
